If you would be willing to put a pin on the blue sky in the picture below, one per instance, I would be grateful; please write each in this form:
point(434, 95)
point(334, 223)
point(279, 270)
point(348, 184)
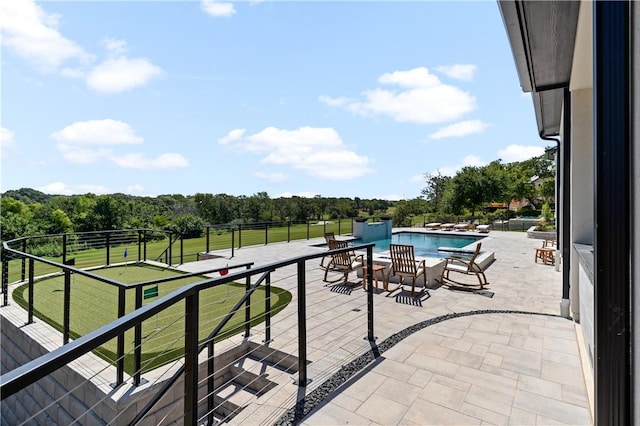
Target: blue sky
point(339, 99)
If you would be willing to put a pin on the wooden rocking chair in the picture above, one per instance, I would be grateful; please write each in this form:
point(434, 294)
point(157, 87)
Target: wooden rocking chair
point(466, 266)
point(404, 264)
point(345, 262)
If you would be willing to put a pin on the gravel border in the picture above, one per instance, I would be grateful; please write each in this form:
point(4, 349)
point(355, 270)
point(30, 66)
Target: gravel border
point(303, 407)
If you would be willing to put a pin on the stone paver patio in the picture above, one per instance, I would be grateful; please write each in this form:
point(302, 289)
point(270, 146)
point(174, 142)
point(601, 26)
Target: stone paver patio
point(503, 356)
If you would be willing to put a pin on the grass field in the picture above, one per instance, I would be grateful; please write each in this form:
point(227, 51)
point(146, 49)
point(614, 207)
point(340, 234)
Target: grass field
point(218, 240)
point(94, 304)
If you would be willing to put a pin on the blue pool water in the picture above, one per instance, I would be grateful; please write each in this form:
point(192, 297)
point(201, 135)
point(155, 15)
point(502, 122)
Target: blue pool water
point(425, 245)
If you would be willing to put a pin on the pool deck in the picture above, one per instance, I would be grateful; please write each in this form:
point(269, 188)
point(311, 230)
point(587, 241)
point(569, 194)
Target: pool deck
point(501, 356)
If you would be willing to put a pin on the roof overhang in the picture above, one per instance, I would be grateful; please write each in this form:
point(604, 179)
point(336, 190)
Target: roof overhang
point(542, 37)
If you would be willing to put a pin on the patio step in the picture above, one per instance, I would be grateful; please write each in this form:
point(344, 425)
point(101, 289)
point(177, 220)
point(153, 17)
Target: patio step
point(256, 372)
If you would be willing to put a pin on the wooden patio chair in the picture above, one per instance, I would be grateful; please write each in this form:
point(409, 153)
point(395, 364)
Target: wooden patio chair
point(464, 265)
point(345, 262)
point(327, 237)
point(404, 264)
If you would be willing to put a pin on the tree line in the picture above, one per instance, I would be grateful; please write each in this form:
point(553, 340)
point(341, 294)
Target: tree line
point(28, 211)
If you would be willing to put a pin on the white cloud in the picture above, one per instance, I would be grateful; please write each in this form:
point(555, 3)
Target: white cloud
point(97, 132)
point(135, 189)
point(390, 197)
point(115, 46)
point(417, 178)
point(64, 189)
point(232, 136)
point(33, 34)
point(422, 99)
point(334, 101)
point(7, 138)
point(458, 71)
point(141, 161)
point(270, 177)
point(319, 152)
point(519, 153)
point(90, 141)
point(217, 8)
point(470, 160)
point(456, 130)
point(117, 75)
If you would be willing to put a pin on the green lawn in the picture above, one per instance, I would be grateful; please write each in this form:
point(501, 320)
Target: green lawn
point(94, 304)
point(97, 257)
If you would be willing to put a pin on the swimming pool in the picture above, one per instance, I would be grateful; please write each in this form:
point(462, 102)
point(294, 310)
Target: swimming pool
point(425, 245)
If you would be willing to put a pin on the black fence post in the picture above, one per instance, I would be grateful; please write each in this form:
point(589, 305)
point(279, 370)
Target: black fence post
point(181, 250)
point(324, 226)
point(137, 342)
point(66, 326)
point(31, 299)
point(289, 231)
point(302, 325)
point(370, 335)
point(339, 223)
point(207, 239)
point(233, 241)
point(122, 292)
point(170, 251)
point(240, 235)
point(139, 245)
point(24, 261)
point(144, 244)
point(64, 248)
point(307, 229)
point(108, 244)
point(5, 278)
point(266, 233)
point(247, 308)
point(210, 384)
point(191, 308)
point(267, 309)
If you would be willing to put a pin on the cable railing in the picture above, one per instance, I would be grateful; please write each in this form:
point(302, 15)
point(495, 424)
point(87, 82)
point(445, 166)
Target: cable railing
point(200, 382)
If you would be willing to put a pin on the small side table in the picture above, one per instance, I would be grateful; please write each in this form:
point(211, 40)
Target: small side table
point(376, 269)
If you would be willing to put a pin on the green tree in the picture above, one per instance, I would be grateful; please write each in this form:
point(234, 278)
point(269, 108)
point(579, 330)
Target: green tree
point(434, 190)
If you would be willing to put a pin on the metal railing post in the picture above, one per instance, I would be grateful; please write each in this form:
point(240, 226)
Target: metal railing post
point(239, 235)
point(302, 325)
point(191, 307)
point(5, 278)
point(31, 299)
point(339, 223)
point(181, 250)
point(207, 239)
point(266, 233)
point(233, 241)
point(170, 251)
point(137, 342)
point(289, 231)
point(267, 309)
point(144, 245)
point(247, 308)
point(307, 229)
point(64, 248)
point(120, 342)
point(210, 384)
point(66, 317)
point(108, 243)
point(370, 335)
point(139, 245)
point(24, 261)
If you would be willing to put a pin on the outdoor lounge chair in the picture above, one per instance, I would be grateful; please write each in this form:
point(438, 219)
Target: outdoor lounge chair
point(433, 225)
point(461, 227)
point(447, 226)
point(344, 262)
point(404, 264)
point(483, 228)
point(464, 265)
